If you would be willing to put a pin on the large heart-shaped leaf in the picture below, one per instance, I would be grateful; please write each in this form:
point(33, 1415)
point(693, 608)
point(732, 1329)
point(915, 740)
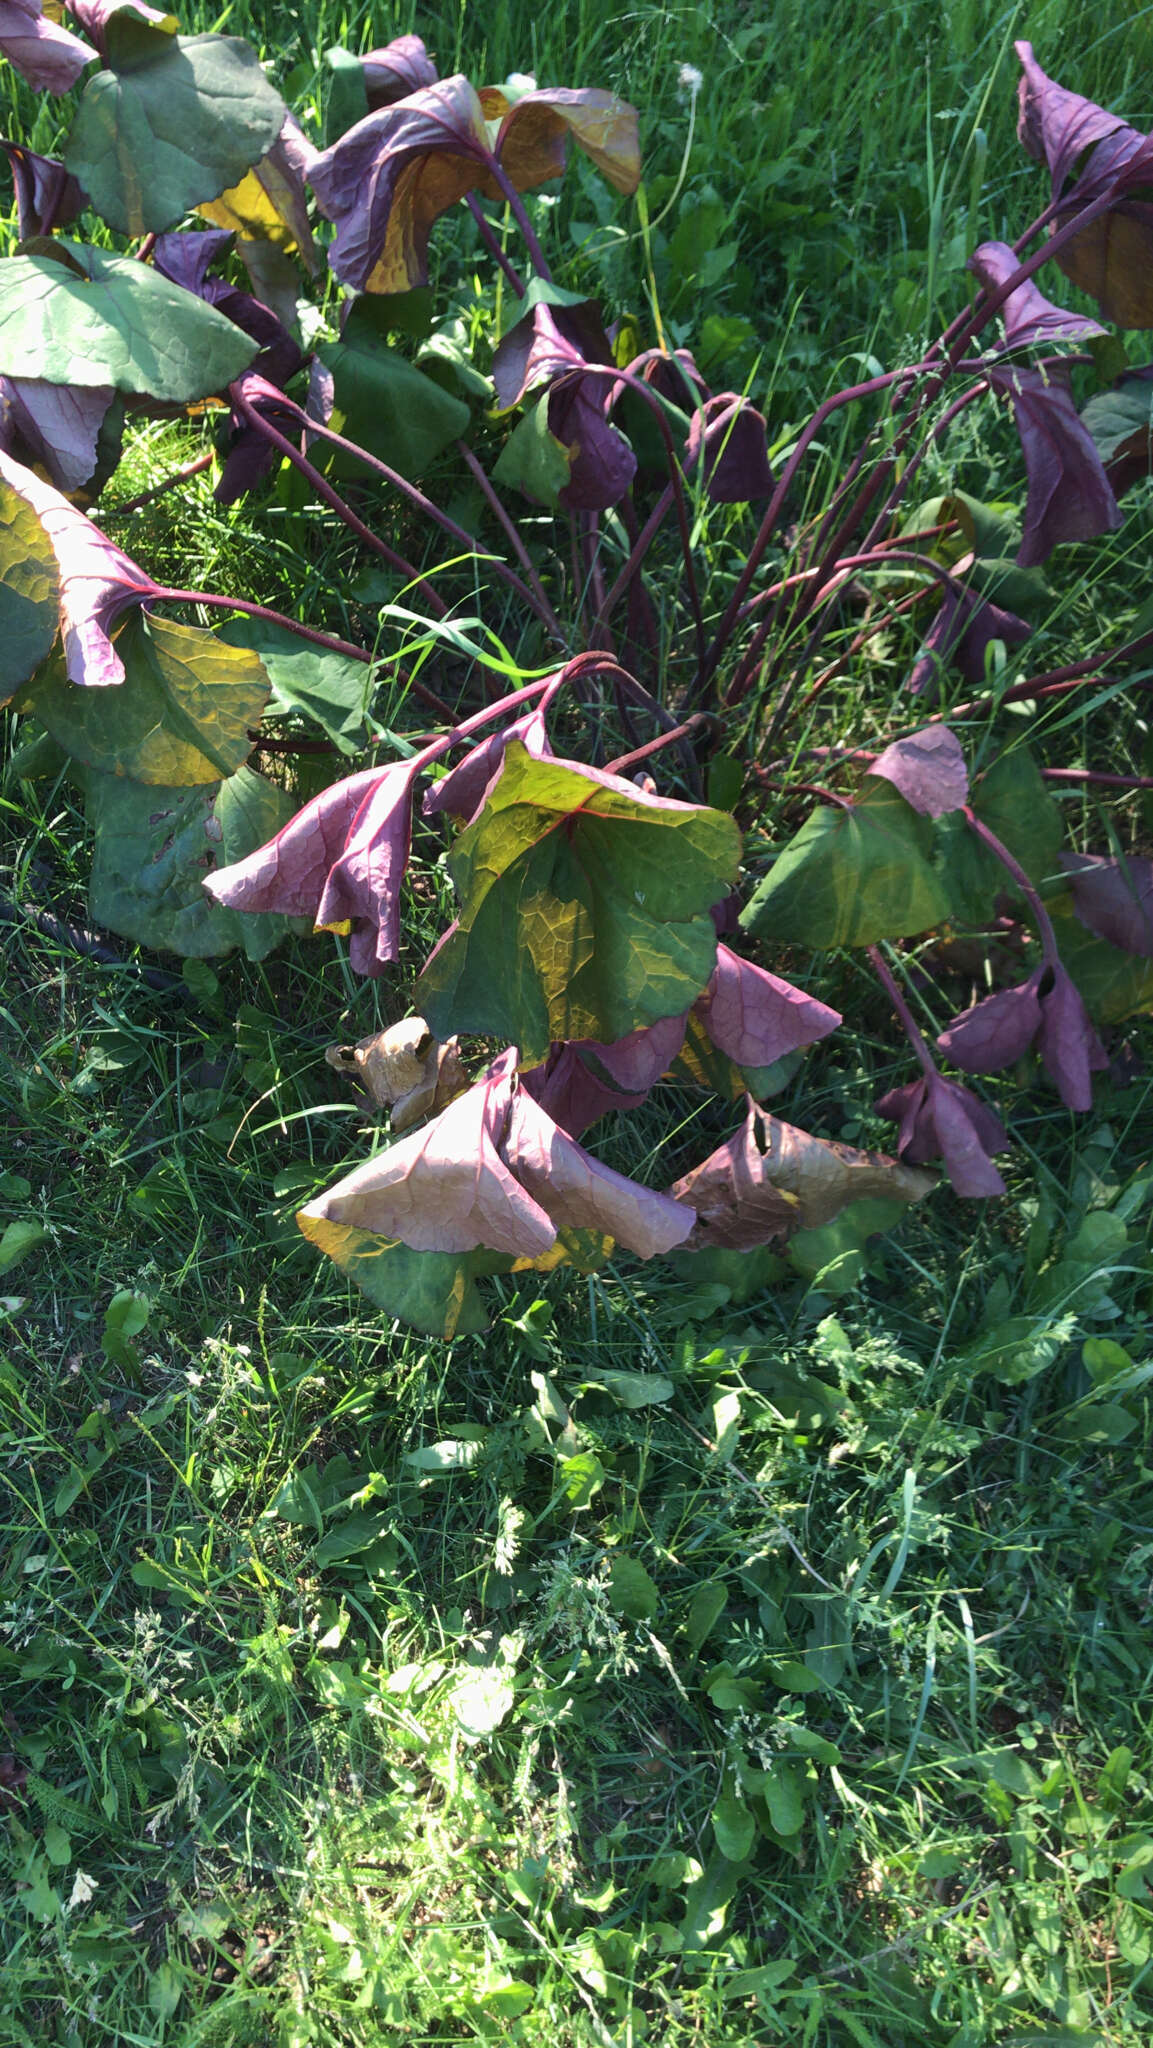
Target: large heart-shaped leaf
point(84, 317)
point(331, 690)
point(154, 849)
point(1012, 799)
point(383, 401)
point(854, 873)
point(172, 120)
point(29, 591)
point(181, 716)
point(97, 580)
point(584, 908)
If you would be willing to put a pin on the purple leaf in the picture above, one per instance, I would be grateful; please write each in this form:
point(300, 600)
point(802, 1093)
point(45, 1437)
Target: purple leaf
point(1068, 1044)
point(1028, 315)
point(929, 770)
point(996, 1032)
point(50, 58)
point(400, 68)
point(771, 1179)
point(940, 1119)
point(601, 463)
point(446, 1188)
point(1069, 494)
point(97, 580)
point(493, 1170)
point(251, 455)
point(1114, 899)
point(675, 377)
point(1055, 126)
point(963, 627)
point(391, 176)
point(1046, 1011)
point(733, 436)
point(53, 425)
point(185, 259)
point(534, 352)
point(571, 1085)
point(340, 861)
point(578, 1193)
point(755, 1018)
point(532, 141)
point(47, 196)
point(463, 790)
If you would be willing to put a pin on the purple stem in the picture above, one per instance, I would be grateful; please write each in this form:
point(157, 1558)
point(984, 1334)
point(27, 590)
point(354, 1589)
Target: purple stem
point(399, 483)
point(776, 503)
point(331, 497)
point(1001, 852)
point(492, 244)
point(330, 641)
point(516, 205)
point(508, 528)
point(904, 1014)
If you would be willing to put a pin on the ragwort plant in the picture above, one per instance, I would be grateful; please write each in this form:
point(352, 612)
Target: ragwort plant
point(677, 607)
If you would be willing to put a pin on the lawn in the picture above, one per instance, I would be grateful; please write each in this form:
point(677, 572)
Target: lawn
point(759, 1658)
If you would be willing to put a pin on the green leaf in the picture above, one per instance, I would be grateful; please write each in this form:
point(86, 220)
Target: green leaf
point(332, 690)
point(852, 875)
point(169, 121)
point(433, 1291)
point(532, 459)
point(180, 717)
point(347, 94)
point(119, 323)
point(383, 401)
point(1020, 1347)
point(631, 1590)
point(18, 1240)
point(584, 911)
point(125, 1317)
point(355, 1533)
point(835, 1256)
point(1115, 984)
point(29, 591)
point(1012, 799)
point(153, 848)
point(784, 1798)
point(165, 1991)
point(734, 1827)
point(708, 1604)
point(632, 1389)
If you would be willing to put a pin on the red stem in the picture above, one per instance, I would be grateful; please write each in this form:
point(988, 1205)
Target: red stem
point(492, 244)
point(904, 1014)
point(1001, 852)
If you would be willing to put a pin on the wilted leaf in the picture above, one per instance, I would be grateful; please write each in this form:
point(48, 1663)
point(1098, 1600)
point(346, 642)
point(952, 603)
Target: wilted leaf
point(929, 770)
point(1028, 315)
point(550, 349)
point(97, 580)
point(770, 1179)
point(405, 1069)
point(853, 874)
point(117, 322)
point(939, 1119)
point(49, 57)
point(463, 790)
point(391, 176)
point(1070, 497)
point(584, 908)
point(155, 848)
point(29, 591)
point(1046, 1011)
point(583, 1081)
point(180, 717)
point(340, 861)
point(44, 191)
point(269, 204)
point(171, 121)
point(493, 1171)
point(962, 629)
point(402, 67)
point(53, 426)
point(729, 437)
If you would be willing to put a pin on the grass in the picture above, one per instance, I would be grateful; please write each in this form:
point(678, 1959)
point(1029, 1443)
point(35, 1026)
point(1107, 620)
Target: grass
point(664, 1666)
